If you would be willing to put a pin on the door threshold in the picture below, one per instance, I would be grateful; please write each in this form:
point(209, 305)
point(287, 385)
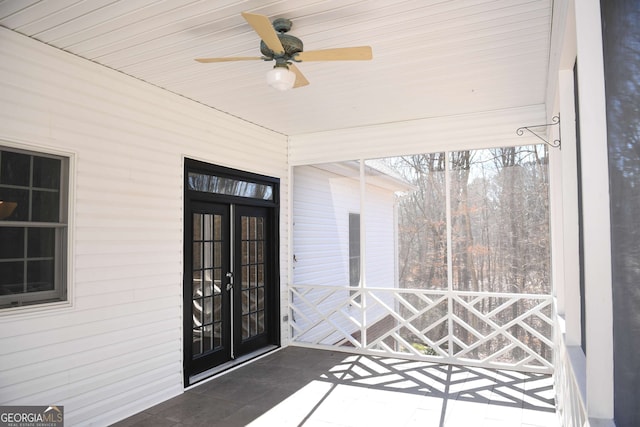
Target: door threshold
point(209, 374)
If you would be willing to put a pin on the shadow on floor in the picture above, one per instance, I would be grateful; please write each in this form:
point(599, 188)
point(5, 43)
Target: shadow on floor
point(297, 386)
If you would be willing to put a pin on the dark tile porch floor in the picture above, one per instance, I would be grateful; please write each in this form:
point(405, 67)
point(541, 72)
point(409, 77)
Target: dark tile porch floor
point(304, 387)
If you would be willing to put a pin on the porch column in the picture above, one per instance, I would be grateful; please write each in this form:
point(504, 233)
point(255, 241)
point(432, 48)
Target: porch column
point(597, 239)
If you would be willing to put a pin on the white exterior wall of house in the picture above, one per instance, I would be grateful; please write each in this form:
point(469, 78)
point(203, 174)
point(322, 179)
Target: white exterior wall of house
point(322, 202)
point(116, 348)
point(321, 238)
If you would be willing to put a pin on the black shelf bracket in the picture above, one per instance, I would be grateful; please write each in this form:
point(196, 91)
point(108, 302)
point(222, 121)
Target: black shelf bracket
point(555, 121)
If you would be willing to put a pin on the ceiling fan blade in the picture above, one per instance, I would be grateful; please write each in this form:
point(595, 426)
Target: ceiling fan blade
point(301, 80)
point(229, 59)
point(360, 53)
point(264, 28)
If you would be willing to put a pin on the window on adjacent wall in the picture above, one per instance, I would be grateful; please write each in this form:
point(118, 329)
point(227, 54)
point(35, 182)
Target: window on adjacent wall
point(33, 227)
point(354, 249)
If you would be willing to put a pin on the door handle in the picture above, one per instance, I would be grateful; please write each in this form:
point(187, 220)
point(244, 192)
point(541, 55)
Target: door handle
point(230, 284)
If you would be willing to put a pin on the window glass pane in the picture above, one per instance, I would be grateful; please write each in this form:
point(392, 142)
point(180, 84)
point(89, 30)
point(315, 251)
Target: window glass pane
point(11, 277)
point(208, 224)
point(228, 186)
point(260, 228)
point(208, 254)
point(207, 282)
point(244, 253)
point(11, 242)
point(354, 249)
point(244, 227)
point(197, 256)
point(217, 254)
point(40, 276)
point(260, 254)
point(197, 226)
point(217, 227)
point(499, 220)
point(260, 275)
point(46, 172)
point(196, 284)
point(252, 252)
point(217, 280)
point(41, 242)
point(46, 206)
point(7, 209)
point(14, 168)
point(15, 204)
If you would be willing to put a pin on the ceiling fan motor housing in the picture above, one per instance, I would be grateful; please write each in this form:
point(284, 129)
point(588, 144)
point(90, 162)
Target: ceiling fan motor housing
point(291, 44)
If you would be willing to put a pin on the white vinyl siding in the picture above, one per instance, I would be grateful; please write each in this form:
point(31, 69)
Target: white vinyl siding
point(118, 348)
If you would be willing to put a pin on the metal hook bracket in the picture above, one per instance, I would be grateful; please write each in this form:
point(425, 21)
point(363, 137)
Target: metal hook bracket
point(555, 121)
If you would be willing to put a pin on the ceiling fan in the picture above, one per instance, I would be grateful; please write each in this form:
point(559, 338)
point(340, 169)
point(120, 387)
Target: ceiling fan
point(285, 49)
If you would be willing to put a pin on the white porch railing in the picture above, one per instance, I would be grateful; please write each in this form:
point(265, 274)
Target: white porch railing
point(498, 330)
point(569, 380)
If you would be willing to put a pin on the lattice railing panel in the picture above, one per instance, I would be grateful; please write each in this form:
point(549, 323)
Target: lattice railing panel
point(484, 329)
point(501, 331)
point(419, 323)
point(326, 316)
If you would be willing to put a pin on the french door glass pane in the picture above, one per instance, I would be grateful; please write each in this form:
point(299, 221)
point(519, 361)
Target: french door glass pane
point(252, 262)
point(207, 275)
point(197, 227)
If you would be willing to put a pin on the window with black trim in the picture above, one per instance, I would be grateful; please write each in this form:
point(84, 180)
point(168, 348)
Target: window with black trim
point(33, 227)
point(354, 251)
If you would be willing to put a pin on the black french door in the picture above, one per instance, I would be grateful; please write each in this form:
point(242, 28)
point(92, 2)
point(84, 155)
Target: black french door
point(230, 269)
point(210, 286)
point(251, 269)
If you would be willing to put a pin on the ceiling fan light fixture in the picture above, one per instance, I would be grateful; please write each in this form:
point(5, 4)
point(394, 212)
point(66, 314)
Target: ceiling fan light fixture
point(281, 78)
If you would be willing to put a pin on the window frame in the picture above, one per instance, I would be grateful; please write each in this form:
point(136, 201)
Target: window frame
point(60, 294)
point(354, 246)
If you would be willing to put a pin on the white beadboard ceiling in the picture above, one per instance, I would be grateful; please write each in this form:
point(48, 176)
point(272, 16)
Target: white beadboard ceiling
point(431, 58)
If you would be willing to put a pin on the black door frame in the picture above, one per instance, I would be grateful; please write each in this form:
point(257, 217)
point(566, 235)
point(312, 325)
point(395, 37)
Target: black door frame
point(272, 297)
